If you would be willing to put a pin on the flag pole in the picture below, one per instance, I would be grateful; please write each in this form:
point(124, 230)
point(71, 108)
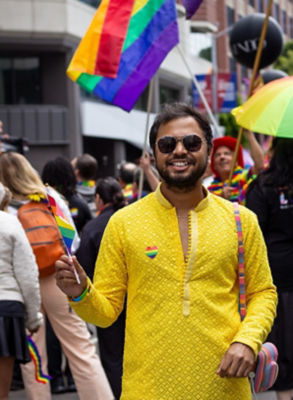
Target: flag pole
point(149, 107)
point(252, 81)
point(200, 92)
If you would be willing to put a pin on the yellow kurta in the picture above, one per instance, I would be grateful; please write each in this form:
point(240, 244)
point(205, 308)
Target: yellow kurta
point(181, 316)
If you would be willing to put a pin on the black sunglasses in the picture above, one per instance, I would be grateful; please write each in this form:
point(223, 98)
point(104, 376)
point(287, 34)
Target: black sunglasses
point(167, 144)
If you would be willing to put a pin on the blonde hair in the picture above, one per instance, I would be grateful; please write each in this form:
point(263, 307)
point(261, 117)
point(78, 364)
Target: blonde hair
point(19, 176)
point(5, 197)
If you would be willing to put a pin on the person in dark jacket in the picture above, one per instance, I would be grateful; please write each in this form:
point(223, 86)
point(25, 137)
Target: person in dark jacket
point(109, 198)
point(59, 174)
point(270, 196)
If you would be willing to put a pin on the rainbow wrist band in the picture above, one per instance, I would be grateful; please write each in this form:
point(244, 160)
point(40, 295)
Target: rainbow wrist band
point(83, 294)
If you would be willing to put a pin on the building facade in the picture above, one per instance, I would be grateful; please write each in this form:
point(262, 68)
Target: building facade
point(38, 102)
point(222, 14)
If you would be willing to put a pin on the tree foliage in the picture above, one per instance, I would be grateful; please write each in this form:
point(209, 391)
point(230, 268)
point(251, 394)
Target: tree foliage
point(285, 60)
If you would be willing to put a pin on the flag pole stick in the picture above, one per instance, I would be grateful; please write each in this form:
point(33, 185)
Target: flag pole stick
point(149, 107)
point(200, 92)
point(252, 81)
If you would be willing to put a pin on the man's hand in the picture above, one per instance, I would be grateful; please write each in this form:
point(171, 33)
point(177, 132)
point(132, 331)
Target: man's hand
point(65, 277)
point(237, 362)
point(227, 192)
point(145, 162)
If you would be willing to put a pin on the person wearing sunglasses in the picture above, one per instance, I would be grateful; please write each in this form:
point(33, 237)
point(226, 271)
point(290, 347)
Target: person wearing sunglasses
point(242, 176)
point(175, 254)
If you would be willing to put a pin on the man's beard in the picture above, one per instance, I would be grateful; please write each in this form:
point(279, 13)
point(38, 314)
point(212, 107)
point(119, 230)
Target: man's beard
point(181, 182)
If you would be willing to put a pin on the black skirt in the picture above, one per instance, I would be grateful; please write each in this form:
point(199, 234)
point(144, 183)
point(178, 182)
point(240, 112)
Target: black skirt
point(13, 339)
point(282, 336)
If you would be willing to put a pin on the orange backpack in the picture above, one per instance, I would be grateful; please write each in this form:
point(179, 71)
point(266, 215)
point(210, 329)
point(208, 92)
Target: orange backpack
point(43, 234)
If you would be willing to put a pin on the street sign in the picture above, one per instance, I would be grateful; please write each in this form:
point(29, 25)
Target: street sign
point(226, 92)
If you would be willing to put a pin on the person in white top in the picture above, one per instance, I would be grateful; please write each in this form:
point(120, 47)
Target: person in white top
point(89, 376)
point(20, 298)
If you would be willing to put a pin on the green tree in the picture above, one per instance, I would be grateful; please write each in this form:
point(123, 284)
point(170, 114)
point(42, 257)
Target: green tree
point(206, 53)
point(285, 60)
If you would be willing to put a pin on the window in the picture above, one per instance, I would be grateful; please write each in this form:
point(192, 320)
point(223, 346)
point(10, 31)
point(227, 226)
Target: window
point(251, 3)
point(232, 64)
point(20, 80)
point(168, 94)
point(277, 12)
point(94, 3)
point(260, 6)
point(283, 21)
point(230, 16)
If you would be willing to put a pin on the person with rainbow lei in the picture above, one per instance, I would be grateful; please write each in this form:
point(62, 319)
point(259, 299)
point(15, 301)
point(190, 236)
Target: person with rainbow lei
point(221, 164)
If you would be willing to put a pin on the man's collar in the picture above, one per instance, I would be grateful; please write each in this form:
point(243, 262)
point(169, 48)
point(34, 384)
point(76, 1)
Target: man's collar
point(165, 203)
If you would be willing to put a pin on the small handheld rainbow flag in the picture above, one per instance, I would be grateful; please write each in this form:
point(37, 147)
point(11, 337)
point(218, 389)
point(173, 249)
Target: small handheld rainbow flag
point(66, 229)
point(35, 356)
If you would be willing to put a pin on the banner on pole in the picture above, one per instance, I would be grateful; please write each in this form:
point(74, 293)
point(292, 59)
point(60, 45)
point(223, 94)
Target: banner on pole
point(226, 92)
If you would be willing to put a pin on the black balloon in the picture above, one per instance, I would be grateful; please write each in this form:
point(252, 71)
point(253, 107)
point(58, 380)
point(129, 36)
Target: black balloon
point(272, 74)
point(244, 40)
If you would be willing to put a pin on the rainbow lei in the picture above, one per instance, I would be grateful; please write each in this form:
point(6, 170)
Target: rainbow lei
point(241, 178)
point(37, 197)
point(90, 183)
point(128, 192)
point(35, 356)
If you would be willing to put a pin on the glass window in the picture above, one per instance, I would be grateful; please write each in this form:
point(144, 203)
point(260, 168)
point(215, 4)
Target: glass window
point(260, 6)
point(283, 21)
point(232, 64)
point(277, 12)
point(200, 45)
point(251, 3)
point(94, 3)
point(168, 94)
point(20, 80)
point(230, 16)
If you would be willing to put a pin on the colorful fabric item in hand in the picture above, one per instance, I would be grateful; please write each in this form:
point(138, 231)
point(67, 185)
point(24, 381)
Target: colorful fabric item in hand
point(35, 356)
point(66, 229)
point(241, 178)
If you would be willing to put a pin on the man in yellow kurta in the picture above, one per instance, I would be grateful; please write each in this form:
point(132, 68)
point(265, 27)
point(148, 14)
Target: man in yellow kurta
point(175, 255)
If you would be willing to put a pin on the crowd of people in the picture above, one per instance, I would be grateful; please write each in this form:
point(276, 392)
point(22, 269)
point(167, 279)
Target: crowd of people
point(158, 277)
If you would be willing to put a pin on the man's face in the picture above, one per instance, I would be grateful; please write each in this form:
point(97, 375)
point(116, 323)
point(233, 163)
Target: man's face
point(223, 160)
point(181, 168)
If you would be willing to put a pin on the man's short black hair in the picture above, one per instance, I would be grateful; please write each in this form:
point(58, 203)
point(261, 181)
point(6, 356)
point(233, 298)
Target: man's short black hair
point(87, 166)
point(180, 110)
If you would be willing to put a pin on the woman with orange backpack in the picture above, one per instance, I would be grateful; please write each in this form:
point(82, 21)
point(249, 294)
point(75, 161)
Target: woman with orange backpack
point(90, 379)
point(19, 294)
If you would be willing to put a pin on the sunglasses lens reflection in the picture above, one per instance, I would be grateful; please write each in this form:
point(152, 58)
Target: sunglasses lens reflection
point(167, 144)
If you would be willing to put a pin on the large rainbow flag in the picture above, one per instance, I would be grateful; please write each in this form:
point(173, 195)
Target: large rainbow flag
point(123, 48)
point(191, 7)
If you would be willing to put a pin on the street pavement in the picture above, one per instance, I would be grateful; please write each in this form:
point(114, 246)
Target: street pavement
point(20, 395)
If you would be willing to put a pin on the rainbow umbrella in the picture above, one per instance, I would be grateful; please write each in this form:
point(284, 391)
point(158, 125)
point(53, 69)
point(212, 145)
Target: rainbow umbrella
point(269, 110)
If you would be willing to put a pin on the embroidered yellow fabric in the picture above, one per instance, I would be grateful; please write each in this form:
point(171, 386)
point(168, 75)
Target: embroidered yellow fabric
point(181, 316)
